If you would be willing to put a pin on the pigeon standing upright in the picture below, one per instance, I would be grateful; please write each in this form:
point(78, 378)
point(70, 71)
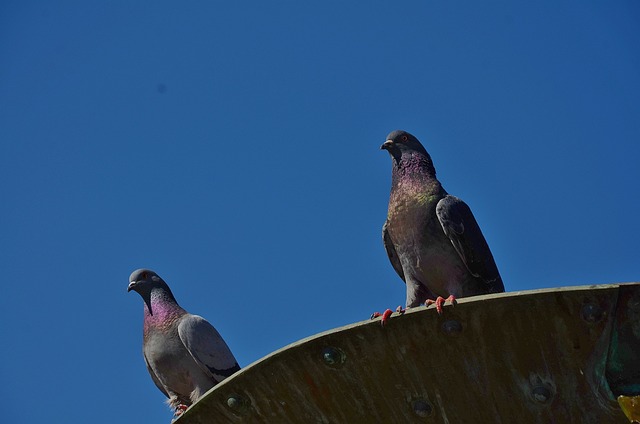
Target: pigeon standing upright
point(432, 239)
point(184, 354)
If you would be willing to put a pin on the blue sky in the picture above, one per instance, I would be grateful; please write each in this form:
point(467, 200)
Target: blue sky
point(234, 150)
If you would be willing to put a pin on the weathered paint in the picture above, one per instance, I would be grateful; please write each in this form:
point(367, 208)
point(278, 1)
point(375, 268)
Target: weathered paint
point(527, 357)
point(623, 364)
point(631, 407)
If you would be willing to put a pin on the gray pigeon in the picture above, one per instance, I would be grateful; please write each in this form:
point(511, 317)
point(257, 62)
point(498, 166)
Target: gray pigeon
point(432, 239)
point(185, 355)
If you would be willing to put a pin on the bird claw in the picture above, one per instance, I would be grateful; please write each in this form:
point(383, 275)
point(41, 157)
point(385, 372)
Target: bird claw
point(440, 302)
point(180, 410)
point(386, 315)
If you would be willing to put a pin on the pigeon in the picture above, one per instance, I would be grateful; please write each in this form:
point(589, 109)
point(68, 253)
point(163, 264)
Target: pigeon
point(184, 354)
point(431, 237)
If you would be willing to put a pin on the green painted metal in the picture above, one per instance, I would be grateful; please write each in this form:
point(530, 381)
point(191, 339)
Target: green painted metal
point(623, 365)
point(528, 357)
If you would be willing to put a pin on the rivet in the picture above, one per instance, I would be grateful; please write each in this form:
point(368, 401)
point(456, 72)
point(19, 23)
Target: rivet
point(421, 407)
point(333, 357)
point(541, 394)
point(237, 404)
point(451, 327)
point(592, 312)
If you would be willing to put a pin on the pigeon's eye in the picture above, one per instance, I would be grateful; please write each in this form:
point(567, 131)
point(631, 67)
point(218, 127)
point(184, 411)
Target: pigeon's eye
point(144, 275)
point(404, 138)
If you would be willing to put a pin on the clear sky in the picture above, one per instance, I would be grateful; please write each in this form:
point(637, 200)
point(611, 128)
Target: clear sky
point(234, 149)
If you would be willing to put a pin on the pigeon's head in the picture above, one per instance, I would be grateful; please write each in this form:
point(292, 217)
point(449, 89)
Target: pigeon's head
point(144, 280)
point(399, 142)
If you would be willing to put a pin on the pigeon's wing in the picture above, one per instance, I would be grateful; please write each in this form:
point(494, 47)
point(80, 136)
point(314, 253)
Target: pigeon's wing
point(462, 229)
point(207, 347)
point(154, 377)
point(391, 250)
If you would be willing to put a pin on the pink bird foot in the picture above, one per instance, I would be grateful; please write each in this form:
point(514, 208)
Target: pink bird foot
point(180, 410)
point(386, 314)
point(440, 301)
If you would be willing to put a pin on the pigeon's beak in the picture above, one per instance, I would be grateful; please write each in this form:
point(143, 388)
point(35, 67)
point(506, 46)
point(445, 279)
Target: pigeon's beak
point(386, 145)
point(132, 286)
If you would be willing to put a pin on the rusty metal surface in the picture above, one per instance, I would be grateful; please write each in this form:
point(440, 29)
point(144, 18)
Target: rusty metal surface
point(631, 407)
point(527, 357)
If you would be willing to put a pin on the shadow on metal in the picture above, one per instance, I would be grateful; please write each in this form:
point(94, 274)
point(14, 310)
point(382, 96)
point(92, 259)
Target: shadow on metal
point(542, 356)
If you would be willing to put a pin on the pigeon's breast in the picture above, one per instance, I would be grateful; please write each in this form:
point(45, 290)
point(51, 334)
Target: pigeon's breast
point(425, 252)
point(171, 362)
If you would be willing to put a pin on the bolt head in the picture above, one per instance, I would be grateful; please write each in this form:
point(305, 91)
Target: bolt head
point(422, 408)
point(238, 404)
point(234, 402)
point(541, 394)
point(333, 357)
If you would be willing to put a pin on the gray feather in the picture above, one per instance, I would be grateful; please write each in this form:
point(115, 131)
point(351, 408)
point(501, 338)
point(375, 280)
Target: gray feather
point(184, 354)
point(153, 376)
point(207, 347)
point(459, 224)
point(391, 251)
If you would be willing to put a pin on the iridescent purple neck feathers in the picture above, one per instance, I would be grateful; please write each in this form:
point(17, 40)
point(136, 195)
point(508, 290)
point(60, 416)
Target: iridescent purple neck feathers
point(414, 170)
point(161, 309)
